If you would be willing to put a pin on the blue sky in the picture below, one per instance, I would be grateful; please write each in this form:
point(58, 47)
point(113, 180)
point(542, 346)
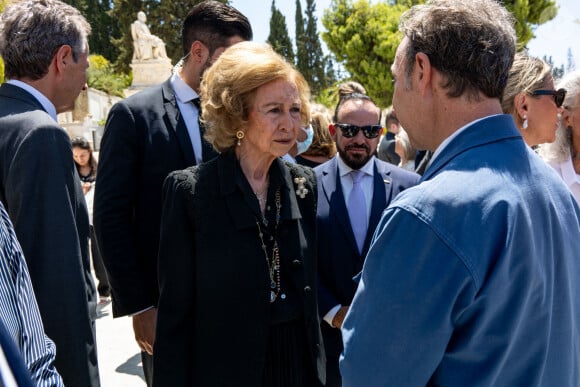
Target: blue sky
point(552, 39)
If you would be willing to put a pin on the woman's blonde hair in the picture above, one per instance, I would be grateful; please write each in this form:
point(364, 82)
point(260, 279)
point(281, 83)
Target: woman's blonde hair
point(527, 74)
point(229, 86)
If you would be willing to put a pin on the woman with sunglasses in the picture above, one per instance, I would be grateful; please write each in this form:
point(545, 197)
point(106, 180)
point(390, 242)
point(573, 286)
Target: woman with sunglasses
point(564, 153)
point(530, 97)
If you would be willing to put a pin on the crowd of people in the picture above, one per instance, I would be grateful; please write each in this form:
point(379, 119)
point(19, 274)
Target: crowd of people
point(258, 239)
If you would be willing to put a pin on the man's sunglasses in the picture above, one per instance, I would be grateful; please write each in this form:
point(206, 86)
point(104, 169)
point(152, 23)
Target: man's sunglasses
point(558, 95)
point(369, 131)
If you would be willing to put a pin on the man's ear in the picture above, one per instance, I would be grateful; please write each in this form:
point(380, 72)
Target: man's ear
point(63, 57)
point(423, 71)
point(199, 52)
point(332, 129)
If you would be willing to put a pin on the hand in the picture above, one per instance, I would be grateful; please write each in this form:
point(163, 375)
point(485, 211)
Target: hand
point(86, 187)
point(144, 325)
point(339, 317)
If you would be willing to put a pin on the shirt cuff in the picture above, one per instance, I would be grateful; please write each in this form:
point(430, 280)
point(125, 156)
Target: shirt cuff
point(151, 307)
point(328, 317)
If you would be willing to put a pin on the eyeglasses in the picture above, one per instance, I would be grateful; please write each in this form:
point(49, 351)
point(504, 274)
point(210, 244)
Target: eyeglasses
point(369, 131)
point(558, 95)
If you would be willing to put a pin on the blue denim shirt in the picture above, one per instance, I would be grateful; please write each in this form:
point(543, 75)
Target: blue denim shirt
point(472, 277)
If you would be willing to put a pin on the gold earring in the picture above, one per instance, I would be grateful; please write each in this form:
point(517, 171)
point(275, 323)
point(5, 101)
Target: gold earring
point(240, 135)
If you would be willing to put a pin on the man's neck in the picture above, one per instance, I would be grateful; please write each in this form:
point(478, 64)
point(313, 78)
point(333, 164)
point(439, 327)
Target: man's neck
point(458, 113)
point(188, 72)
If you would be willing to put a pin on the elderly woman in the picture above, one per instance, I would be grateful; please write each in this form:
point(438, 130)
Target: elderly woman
point(564, 154)
point(237, 254)
point(531, 99)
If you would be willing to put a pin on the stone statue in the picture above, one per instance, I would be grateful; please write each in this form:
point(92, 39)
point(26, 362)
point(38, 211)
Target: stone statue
point(146, 46)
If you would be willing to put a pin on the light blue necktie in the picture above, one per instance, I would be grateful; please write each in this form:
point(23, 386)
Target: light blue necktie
point(357, 209)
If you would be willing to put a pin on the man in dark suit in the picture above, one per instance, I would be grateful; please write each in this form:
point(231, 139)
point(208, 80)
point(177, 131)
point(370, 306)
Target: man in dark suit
point(147, 136)
point(39, 184)
point(354, 189)
point(386, 150)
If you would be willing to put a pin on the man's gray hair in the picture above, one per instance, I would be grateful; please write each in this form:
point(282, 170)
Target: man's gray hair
point(31, 32)
point(472, 42)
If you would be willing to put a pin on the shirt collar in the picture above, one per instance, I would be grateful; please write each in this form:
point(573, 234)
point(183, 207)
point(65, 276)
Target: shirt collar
point(344, 169)
point(448, 140)
point(41, 98)
point(183, 92)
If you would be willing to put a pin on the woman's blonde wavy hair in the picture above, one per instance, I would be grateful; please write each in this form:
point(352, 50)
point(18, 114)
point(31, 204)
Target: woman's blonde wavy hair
point(229, 86)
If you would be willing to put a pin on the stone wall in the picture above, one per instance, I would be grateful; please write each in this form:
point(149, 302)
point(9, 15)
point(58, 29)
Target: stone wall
point(88, 117)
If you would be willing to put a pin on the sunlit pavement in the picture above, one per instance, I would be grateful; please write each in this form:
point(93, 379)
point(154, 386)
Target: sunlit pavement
point(119, 355)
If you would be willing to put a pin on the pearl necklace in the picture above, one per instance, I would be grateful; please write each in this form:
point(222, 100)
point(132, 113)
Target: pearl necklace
point(274, 262)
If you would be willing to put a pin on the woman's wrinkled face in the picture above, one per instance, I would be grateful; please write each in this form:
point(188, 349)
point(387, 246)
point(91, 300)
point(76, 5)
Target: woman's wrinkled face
point(274, 119)
point(81, 156)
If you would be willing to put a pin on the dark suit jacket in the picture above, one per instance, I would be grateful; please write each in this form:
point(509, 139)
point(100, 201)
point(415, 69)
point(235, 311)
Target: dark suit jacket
point(145, 138)
point(339, 259)
point(214, 309)
point(41, 190)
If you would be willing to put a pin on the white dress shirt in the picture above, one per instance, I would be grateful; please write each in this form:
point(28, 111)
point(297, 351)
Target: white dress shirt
point(572, 180)
point(184, 94)
point(45, 102)
point(367, 185)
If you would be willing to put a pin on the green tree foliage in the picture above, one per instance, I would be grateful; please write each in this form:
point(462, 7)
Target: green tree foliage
point(300, 38)
point(103, 28)
point(101, 76)
point(278, 37)
point(557, 72)
point(164, 19)
point(2, 5)
point(530, 14)
point(364, 37)
point(318, 71)
point(125, 13)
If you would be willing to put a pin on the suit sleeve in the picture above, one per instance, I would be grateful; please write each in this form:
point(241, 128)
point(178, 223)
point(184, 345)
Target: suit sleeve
point(43, 194)
point(113, 211)
point(176, 271)
point(401, 318)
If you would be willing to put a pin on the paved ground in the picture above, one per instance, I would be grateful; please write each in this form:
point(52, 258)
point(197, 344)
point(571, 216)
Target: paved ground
point(119, 355)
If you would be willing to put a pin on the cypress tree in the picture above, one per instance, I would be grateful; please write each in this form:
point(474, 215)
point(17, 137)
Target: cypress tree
point(278, 37)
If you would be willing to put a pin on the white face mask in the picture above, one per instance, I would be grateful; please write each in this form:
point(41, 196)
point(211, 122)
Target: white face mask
point(302, 146)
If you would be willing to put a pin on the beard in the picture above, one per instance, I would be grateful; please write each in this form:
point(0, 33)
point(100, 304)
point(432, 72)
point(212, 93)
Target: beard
point(355, 160)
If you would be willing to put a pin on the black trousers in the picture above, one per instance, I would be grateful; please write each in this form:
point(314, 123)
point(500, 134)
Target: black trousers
point(103, 286)
point(147, 361)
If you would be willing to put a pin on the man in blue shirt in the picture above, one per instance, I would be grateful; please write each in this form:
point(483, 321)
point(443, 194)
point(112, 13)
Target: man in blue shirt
point(472, 276)
point(19, 313)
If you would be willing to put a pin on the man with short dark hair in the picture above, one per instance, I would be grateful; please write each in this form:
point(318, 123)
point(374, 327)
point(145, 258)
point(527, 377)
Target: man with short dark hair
point(353, 190)
point(147, 136)
point(44, 44)
point(472, 276)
